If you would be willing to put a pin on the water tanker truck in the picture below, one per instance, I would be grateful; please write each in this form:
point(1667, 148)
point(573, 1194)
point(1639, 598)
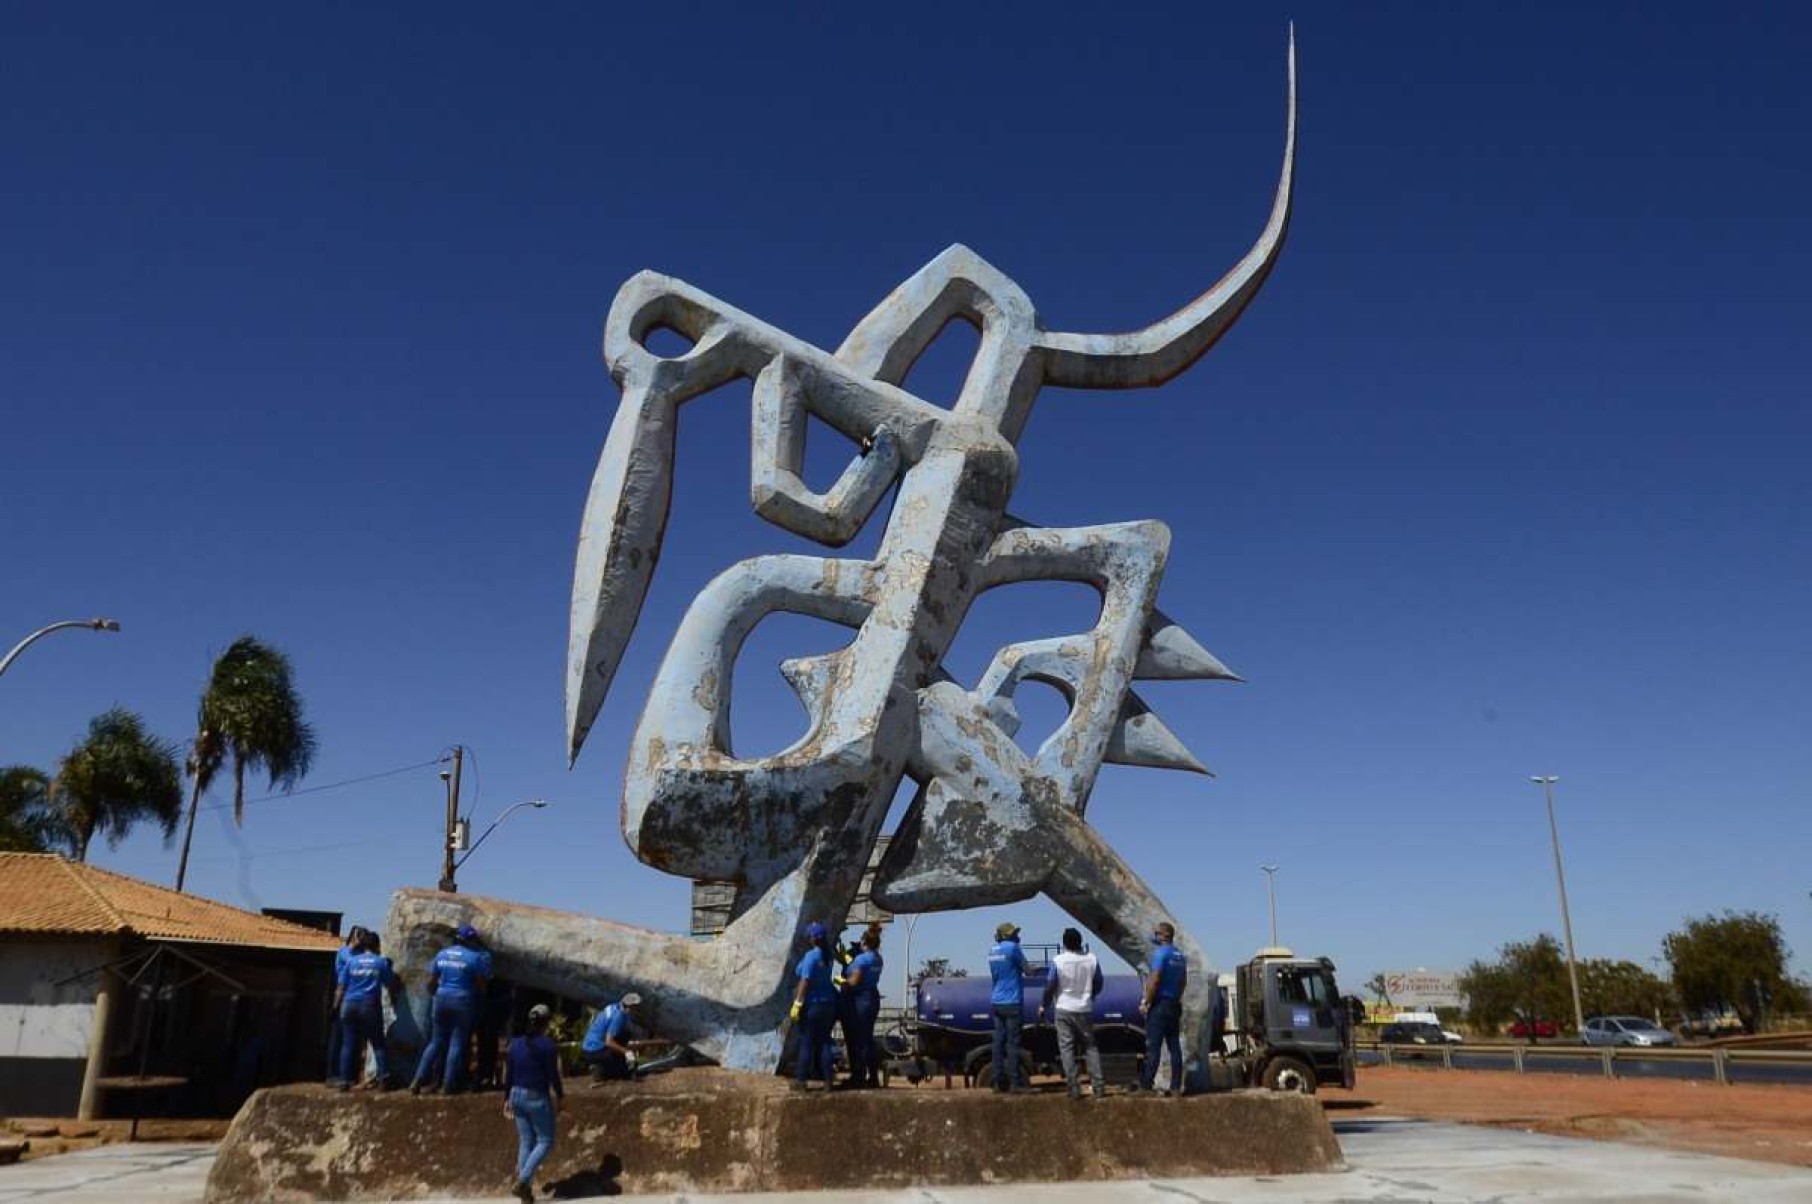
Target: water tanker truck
point(1285, 1028)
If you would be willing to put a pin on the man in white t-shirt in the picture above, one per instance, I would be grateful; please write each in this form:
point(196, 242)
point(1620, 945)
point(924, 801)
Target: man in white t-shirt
point(1074, 981)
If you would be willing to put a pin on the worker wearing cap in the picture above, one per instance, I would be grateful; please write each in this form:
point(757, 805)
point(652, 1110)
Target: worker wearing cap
point(606, 1043)
point(532, 1094)
point(862, 1006)
point(814, 1009)
point(1007, 965)
point(358, 1001)
point(1162, 1007)
point(456, 981)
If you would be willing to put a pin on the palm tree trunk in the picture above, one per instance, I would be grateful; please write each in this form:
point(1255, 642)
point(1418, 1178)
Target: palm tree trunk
point(188, 836)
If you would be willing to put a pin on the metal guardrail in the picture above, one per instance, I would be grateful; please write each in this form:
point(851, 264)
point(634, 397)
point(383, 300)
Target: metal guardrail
point(1520, 1057)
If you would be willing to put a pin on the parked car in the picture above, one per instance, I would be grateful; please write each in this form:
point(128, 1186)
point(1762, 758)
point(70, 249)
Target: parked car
point(1413, 1032)
point(1526, 1029)
point(1626, 1030)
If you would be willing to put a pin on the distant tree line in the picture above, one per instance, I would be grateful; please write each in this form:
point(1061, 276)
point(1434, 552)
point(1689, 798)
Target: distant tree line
point(1729, 964)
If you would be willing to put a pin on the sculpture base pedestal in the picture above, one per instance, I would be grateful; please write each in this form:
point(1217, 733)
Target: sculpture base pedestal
point(707, 1130)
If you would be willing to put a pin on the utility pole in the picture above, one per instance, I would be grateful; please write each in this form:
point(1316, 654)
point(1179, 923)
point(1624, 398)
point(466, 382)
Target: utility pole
point(1546, 782)
point(451, 836)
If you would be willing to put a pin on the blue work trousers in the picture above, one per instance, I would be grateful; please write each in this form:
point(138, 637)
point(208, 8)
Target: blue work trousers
point(1163, 1023)
point(534, 1130)
point(815, 1025)
point(859, 1038)
point(1009, 1018)
point(451, 1028)
point(359, 1023)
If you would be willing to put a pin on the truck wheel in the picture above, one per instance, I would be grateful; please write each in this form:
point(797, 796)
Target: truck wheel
point(1289, 1074)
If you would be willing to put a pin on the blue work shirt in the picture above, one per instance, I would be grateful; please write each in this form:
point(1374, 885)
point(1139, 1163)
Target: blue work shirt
point(869, 962)
point(607, 1025)
point(1172, 969)
point(815, 969)
point(459, 969)
point(533, 1064)
point(341, 956)
point(1008, 966)
point(364, 976)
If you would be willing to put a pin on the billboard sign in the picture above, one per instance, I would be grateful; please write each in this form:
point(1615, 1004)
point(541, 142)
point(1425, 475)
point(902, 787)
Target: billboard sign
point(1423, 990)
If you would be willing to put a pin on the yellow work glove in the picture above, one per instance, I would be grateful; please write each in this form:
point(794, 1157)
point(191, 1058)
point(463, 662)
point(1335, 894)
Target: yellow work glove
point(837, 981)
point(796, 1009)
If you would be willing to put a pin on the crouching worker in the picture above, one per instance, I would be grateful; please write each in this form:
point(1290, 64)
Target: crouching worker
point(532, 1095)
point(606, 1045)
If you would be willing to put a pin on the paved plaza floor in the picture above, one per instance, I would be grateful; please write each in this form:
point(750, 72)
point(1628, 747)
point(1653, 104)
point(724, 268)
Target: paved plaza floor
point(1391, 1161)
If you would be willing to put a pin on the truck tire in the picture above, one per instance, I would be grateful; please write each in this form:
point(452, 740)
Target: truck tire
point(1289, 1074)
point(982, 1069)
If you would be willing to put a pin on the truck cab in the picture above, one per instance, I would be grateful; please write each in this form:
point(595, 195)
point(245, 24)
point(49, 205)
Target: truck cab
point(1290, 1025)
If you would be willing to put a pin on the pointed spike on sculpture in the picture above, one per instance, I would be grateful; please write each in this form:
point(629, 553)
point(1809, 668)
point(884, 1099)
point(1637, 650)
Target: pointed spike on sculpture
point(809, 676)
point(1140, 738)
point(1171, 654)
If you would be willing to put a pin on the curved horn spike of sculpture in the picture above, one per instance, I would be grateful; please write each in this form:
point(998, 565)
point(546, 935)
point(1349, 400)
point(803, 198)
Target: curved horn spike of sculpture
point(1162, 350)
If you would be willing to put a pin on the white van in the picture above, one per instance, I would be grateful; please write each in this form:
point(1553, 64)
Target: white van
point(1447, 1034)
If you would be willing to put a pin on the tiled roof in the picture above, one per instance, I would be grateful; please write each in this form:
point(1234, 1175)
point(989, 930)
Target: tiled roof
point(46, 894)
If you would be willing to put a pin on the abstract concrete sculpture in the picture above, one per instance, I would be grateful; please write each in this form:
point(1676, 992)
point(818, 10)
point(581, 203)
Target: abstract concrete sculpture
point(990, 824)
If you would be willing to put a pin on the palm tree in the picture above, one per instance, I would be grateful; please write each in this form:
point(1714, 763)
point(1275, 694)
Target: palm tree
point(28, 821)
point(119, 776)
point(252, 715)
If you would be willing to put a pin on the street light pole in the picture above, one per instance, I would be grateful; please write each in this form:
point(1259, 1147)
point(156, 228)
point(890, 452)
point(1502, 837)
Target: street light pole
point(1546, 782)
point(911, 920)
point(536, 803)
point(40, 633)
point(1271, 894)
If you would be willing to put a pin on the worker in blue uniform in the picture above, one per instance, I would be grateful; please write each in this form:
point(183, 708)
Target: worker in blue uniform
point(358, 1001)
point(456, 980)
point(606, 1044)
point(336, 1031)
point(862, 1005)
point(814, 1009)
point(1007, 966)
point(1162, 1007)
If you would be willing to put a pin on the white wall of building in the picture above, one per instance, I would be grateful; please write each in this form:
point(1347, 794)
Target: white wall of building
point(38, 1018)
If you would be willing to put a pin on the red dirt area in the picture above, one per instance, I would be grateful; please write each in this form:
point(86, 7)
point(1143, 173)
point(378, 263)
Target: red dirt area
point(1761, 1123)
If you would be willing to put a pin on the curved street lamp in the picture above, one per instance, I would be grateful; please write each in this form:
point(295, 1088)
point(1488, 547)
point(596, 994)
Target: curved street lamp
point(536, 803)
point(1271, 894)
point(40, 633)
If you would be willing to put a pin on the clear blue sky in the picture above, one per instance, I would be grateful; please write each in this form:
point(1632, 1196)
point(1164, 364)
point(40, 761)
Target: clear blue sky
point(1504, 473)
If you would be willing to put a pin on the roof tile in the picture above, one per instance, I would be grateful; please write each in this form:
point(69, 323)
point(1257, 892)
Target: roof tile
point(46, 894)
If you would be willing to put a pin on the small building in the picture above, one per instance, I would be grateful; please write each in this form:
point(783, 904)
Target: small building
point(122, 998)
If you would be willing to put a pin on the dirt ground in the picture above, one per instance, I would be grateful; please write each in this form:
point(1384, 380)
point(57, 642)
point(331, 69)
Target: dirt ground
point(1762, 1123)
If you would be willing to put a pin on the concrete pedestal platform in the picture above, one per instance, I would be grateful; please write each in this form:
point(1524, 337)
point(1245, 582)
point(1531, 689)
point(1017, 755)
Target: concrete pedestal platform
point(710, 1131)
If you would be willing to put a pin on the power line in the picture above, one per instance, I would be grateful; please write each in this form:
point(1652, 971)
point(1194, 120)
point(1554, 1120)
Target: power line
point(369, 777)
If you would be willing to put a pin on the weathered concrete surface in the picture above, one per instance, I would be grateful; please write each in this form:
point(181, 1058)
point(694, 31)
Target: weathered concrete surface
point(795, 831)
point(699, 1132)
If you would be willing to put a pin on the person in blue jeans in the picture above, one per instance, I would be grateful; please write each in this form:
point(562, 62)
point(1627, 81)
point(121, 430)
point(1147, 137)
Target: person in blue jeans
point(455, 985)
point(358, 1002)
point(1162, 1007)
point(532, 1095)
point(815, 1010)
point(606, 1044)
point(862, 999)
point(1007, 966)
point(336, 1031)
